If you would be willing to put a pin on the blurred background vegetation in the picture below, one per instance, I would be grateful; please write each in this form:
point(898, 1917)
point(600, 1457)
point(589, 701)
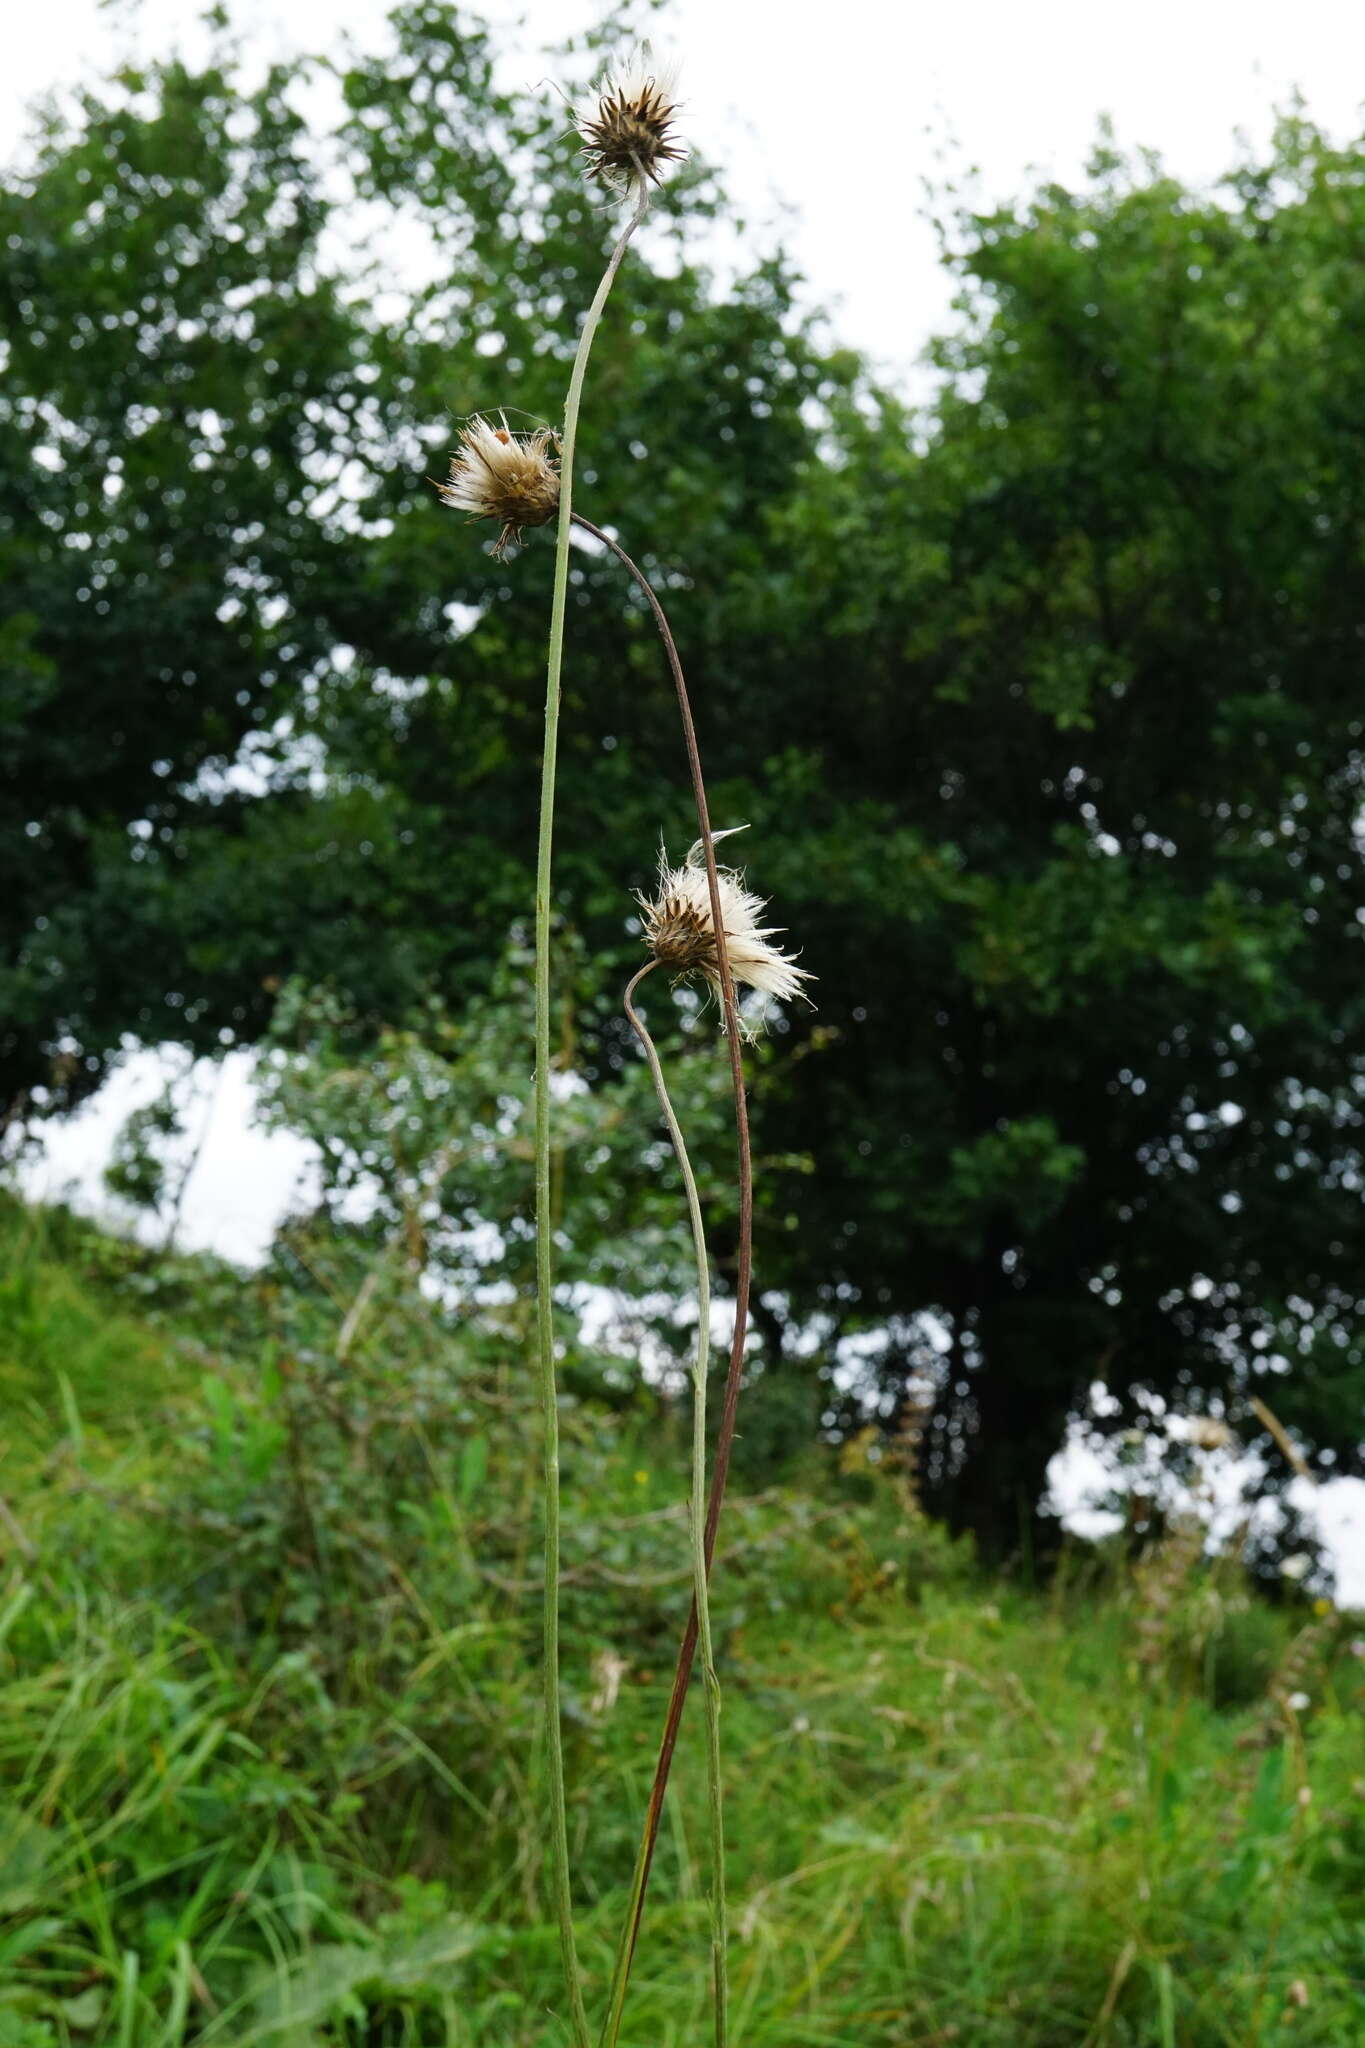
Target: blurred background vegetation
point(1042, 701)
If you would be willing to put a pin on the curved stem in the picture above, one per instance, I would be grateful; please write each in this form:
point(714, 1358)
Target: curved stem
point(701, 1561)
point(554, 1743)
point(725, 1435)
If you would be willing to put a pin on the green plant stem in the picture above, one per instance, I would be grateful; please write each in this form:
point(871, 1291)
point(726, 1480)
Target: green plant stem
point(729, 1407)
point(549, 1393)
point(700, 1559)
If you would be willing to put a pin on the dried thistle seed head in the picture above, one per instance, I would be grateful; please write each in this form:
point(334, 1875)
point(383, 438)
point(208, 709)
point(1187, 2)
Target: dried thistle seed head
point(626, 122)
point(497, 474)
point(680, 931)
point(1207, 1433)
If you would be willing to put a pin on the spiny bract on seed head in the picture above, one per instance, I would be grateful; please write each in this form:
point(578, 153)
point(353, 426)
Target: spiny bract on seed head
point(626, 122)
point(680, 930)
point(497, 474)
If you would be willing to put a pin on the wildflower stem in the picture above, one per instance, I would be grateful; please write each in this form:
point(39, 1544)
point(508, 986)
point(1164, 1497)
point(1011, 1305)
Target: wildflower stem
point(726, 1433)
point(559, 1826)
point(701, 1561)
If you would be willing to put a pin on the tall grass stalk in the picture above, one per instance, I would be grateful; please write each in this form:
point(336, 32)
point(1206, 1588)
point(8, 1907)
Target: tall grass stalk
point(559, 1827)
point(726, 1433)
point(700, 1560)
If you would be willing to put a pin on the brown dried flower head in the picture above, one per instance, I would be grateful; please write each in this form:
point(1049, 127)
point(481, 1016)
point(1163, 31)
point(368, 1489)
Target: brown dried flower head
point(1207, 1433)
point(626, 122)
point(681, 934)
point(497, 474)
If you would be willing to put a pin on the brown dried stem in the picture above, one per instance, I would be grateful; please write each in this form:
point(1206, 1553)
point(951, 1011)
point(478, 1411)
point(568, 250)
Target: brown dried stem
point(725, 1435)
point(701, 1563)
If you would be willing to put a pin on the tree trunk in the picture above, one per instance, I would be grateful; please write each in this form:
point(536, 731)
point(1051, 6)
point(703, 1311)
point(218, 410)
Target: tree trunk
point(997, 1489)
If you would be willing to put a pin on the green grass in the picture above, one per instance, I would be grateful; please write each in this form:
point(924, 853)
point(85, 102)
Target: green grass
point(268, 1708)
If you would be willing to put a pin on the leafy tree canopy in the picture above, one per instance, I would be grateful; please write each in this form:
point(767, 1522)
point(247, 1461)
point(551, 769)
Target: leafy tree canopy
point(1043, 707)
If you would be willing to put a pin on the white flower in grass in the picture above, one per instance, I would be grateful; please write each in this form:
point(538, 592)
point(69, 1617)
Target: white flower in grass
point(680, 931)
point(497, 474)
point(626, 122)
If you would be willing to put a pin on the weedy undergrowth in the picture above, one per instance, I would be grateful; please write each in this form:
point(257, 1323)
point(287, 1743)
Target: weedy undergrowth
point(269, 1679)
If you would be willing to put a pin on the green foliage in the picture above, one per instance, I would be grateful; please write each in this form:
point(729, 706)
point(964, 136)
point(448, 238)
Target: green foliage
point(1042, 706)
point(150, 1163)
point(424, 1137)
point(137, 1164)
point(268, 1694)
point(174, 356)
point(1088, 847)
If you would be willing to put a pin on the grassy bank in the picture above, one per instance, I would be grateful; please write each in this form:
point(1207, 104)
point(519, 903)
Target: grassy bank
point(268, 1705)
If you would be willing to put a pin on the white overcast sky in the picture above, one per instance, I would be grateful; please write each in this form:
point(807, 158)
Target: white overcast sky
point(832, 112)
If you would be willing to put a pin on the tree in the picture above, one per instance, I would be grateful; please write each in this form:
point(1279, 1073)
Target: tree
point(1104, 789)
point(173, 356)
point(1042, 706)
point(274, 711)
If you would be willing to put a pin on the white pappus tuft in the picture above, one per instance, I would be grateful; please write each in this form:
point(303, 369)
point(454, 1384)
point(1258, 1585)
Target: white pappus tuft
point(626, 122)
point(680, 930)
point(497, 474)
